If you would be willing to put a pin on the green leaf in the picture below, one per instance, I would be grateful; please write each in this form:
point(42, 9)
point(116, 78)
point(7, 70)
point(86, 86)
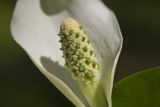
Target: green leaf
point(138, 90)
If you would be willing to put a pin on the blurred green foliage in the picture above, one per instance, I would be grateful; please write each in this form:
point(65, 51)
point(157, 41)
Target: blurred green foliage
point(22, 85)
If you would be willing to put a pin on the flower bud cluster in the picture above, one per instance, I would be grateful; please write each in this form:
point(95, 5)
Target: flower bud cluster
point(78, 53)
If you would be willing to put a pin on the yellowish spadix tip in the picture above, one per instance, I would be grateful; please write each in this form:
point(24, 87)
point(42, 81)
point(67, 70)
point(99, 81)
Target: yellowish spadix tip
point(69, 24)
point(79, 55)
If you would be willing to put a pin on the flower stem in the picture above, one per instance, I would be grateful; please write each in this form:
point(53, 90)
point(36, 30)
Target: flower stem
point(93, 94)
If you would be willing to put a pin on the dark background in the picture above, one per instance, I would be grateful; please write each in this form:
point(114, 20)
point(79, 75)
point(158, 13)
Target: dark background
point(21, 83)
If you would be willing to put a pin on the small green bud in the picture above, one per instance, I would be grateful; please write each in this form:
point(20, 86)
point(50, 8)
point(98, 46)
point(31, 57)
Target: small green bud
point(77, 50)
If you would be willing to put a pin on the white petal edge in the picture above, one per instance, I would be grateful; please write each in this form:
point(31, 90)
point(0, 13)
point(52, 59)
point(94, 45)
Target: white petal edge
point(35, 33)
point(63, 88)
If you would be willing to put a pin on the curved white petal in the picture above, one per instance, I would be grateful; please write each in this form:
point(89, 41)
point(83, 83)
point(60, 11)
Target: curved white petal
point(35, 25)
point(37, 34)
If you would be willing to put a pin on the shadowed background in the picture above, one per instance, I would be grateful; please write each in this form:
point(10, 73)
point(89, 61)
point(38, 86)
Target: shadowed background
point(22, 85)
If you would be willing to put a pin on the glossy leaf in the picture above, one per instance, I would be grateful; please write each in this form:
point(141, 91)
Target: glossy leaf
point(138, 90)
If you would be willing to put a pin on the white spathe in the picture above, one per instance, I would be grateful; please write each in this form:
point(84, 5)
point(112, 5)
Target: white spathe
point(35, 25)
